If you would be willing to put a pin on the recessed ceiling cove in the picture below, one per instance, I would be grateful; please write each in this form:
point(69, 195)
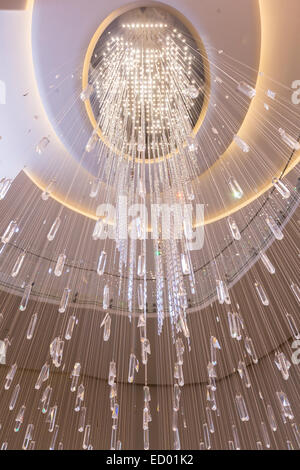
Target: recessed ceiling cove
point(60, 91)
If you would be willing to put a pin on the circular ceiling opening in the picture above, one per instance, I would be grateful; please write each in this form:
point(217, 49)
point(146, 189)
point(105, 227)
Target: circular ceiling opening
point(160, 78)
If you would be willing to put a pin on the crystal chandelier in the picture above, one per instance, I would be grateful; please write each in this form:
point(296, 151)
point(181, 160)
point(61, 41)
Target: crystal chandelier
point(146, 92)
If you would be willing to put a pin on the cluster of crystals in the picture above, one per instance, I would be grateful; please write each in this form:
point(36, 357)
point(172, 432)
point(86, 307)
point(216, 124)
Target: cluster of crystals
point(152, 90)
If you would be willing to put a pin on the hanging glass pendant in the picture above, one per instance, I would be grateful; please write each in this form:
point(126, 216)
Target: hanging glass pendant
point(281, 188)
point(101, 263)
point(64, 300)
point(32, 326)
point(86, 93)
point(53, 230)
point(235, 188)
point(5, 184)
point(11, 229)
point(18, 264)
point(60, 264)
point(246, 89)
point(235, 232)
point(41, 146)
point(240, 143)
point(25, 298)
point(48, 190)
point(275, 229)
point(289, 140)
point(267, 263)
point(106, 297)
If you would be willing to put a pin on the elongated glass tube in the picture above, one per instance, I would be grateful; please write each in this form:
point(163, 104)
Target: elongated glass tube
point(185, 266)
point(28, 436)
point(75, 376)
point(275, 229)
point(95, 188)
point(70, 327)
point(91, 143)
point(45, 400)
point(246, 89)
point(235, 188)
point(112, 373)
point(53, 230)
point(107, 327)
point(236, 439)
point(289, 140)
point(141, 296)
point(11, 229)
point(206, 436)
point(5, 185)
point(43, 376)
point(106, 297)
point(86, 93)
point(18, 265)
point(267, 262)
point(296, 434)
point(54, 437)
point(265, 435)
point(243, 372)
point(101, 263)
point(82, 419)
point(281, 188)
point(99, 226)
point(86, 437)
point(10, 376)
point(261, 294)
point(25, 297)
point(51, 418)
point(250, 349)
point(296, 291)
point(174, 420)
point(241, 407)
point(283, 365)
point(293, 327)
point(271, 418)
point(133, 366)
point(41, 146)
point(64, 300)
point(241, 144)
point(235, 232)
point(179, 350)
point(220, 291)
point(210, 420)
point(146, 439)
point(19, 418)
point(47, 191)
point(79, 397)
point(14, 397)
point(141, 266)
point(177, 445)
point(176, 397)
point(60, 264)
point(31, 327)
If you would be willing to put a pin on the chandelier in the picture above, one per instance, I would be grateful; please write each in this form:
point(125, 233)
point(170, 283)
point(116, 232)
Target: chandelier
point(151, 253)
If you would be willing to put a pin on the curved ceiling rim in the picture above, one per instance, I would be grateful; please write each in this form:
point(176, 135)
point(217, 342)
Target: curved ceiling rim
point(91, 47)
point(210, 220)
